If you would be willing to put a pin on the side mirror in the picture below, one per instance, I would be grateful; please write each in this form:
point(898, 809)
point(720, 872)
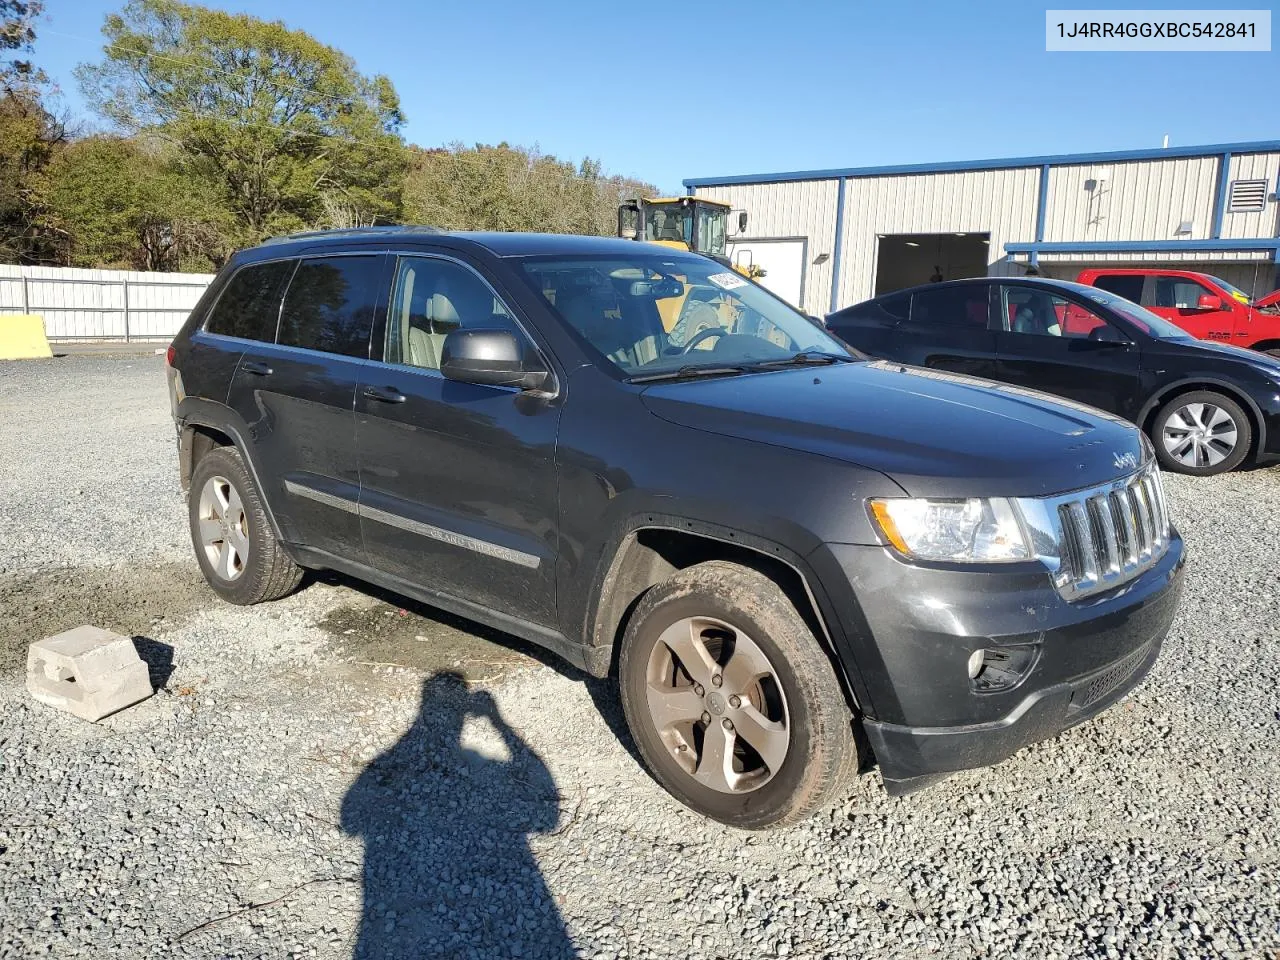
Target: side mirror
point(742, 221)
point(491, 357)
point(1108, 334)
point(1208, 301)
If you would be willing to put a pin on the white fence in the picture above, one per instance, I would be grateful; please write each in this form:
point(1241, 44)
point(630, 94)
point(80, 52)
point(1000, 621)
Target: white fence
point(102, 304)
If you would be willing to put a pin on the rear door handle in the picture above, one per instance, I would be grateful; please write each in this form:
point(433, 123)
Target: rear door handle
point(384, 394)
point(253, 366)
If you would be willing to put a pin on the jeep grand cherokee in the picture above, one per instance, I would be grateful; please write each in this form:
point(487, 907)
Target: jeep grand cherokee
point(660, 471)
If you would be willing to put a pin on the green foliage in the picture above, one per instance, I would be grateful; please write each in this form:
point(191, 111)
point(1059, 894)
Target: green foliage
point(230, 129)
point(508, 188)
point(113, 203)
point(286, 126)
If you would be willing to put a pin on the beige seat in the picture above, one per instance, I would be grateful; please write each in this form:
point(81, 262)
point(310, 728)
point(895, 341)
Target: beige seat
point(426, 330)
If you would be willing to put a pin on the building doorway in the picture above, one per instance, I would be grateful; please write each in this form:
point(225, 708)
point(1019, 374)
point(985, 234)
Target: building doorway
point(907, 259)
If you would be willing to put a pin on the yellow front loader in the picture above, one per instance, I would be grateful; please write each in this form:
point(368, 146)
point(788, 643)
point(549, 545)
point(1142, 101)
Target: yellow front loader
point(683, 223)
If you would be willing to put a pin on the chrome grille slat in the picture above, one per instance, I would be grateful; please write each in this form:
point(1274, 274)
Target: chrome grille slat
point(1096, 539)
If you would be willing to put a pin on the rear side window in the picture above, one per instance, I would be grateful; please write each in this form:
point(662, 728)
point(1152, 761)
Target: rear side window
point(330, 305)
point(250, 304)
point(1129, 287)
point(959, 306)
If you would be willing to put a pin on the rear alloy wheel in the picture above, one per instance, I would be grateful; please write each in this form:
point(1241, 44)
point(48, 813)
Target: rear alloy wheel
point(733, 704)
point(234, 542)
point(1202, 433)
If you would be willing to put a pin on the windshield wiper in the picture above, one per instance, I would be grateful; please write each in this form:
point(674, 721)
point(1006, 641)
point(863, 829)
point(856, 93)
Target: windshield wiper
point(805, 358)
point(689, 370)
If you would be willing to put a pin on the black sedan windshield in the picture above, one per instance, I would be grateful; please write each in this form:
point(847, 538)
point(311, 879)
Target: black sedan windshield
point(653, 313)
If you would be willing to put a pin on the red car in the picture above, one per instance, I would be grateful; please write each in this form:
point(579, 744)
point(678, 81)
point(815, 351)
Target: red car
point(1204, 306)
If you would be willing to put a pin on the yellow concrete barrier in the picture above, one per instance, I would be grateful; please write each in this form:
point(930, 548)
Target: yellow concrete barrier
point(22, 337)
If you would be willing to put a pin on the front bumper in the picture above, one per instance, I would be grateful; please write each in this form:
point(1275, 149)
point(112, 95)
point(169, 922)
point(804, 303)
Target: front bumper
point(915, 627)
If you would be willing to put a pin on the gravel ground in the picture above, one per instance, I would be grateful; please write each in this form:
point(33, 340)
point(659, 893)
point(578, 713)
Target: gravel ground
point(336, 775)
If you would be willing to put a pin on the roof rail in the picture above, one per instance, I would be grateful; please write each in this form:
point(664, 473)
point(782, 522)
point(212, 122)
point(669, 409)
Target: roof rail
point(353, 232)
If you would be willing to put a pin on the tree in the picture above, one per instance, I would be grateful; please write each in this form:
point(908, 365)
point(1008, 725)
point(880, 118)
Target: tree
point(285, 126)
point(17, 35)
point(29, 134)
point(113, 202)
point(508, 188)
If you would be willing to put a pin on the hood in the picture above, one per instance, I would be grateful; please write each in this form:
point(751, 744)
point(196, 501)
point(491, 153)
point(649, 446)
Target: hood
point(1272, 299)
point(934, 433)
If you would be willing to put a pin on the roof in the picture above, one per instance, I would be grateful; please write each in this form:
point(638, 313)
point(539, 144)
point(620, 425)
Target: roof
point(499, 244)
point(1036, 281)
point(1006, 163)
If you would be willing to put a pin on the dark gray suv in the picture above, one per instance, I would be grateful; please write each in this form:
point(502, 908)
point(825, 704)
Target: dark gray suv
point(658, 470)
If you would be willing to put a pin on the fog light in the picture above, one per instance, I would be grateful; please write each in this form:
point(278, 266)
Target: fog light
point(1000, 668)
point(975, 663)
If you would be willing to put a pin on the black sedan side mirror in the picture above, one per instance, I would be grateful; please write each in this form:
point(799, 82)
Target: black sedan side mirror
point(491, 357)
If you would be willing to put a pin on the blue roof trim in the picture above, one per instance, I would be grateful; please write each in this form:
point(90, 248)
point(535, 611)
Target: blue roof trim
point(1144, 246)
point(1008, 163)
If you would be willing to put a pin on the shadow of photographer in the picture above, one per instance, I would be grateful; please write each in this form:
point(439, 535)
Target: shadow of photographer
point(445, 816)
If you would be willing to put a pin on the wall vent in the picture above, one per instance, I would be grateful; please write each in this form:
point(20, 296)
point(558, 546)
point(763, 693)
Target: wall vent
point(1247, 195)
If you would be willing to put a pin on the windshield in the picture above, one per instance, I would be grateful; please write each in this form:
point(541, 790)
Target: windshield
point(1231, 289)
point(1140, 317)
point(669, 221)
point(653, 314)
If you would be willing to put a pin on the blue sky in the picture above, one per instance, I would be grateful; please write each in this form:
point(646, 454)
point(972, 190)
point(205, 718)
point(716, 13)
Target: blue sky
point(665, 91)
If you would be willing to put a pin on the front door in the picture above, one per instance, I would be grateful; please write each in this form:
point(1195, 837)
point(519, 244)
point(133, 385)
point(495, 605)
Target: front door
point(1177, 299)
point(1053, 343)
point(458, 480)
point(296, 395)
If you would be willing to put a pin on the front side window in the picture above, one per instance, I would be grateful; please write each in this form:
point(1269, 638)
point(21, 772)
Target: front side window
point(432, 298)
point(1038, 312)
point(330, 305)
point(962, 305)
point(652, 314)
point(1178, 293)
point(250, 305)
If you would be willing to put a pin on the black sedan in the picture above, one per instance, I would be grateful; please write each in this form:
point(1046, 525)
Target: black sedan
point(1207, 407)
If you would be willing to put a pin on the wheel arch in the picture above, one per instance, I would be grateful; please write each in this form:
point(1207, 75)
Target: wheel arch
point(207, 426)
point(656, 547)
point(1146, 417)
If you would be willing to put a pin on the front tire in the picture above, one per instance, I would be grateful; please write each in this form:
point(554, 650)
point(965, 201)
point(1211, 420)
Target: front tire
point(234, 543)
point(733, 705)
point(1201, 433)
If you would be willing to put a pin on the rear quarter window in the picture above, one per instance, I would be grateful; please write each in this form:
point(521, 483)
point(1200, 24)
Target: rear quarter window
point(886, 310)
point(250, 304)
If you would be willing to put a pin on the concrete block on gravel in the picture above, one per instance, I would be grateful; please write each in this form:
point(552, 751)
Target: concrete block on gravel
point(89, 672)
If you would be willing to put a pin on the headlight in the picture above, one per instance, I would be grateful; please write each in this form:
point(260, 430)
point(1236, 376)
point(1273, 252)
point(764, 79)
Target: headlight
point(977, 531)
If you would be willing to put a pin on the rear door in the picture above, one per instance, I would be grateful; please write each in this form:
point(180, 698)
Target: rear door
point(1054, 343)
point(1177, 299)
point(297, 396)
point(458, 491)
point(949, 329)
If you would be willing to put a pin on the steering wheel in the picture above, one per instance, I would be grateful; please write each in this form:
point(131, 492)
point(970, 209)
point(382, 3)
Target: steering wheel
point(706, 333)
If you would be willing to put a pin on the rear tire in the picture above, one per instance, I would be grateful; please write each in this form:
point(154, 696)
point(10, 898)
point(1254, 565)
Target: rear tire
point(1201, 433)
point(235, 546)
point(734, 706)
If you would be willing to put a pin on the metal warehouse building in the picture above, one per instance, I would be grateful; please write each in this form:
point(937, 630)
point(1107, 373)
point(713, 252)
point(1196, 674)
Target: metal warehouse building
point(831, 238)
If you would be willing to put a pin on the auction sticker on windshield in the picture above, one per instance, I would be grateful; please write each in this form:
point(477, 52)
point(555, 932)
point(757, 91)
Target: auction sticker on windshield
point(727, 281)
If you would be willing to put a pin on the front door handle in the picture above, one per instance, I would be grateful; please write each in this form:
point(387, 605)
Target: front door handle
point(384, 394)
point(253, 366)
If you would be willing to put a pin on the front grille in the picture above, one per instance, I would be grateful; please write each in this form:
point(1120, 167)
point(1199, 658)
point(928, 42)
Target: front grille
point(1102, 537)
point(1109, 680)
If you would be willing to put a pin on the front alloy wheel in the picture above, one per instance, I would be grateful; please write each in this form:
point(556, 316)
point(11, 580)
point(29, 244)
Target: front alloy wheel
point(733, 703)
point(717, 704)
